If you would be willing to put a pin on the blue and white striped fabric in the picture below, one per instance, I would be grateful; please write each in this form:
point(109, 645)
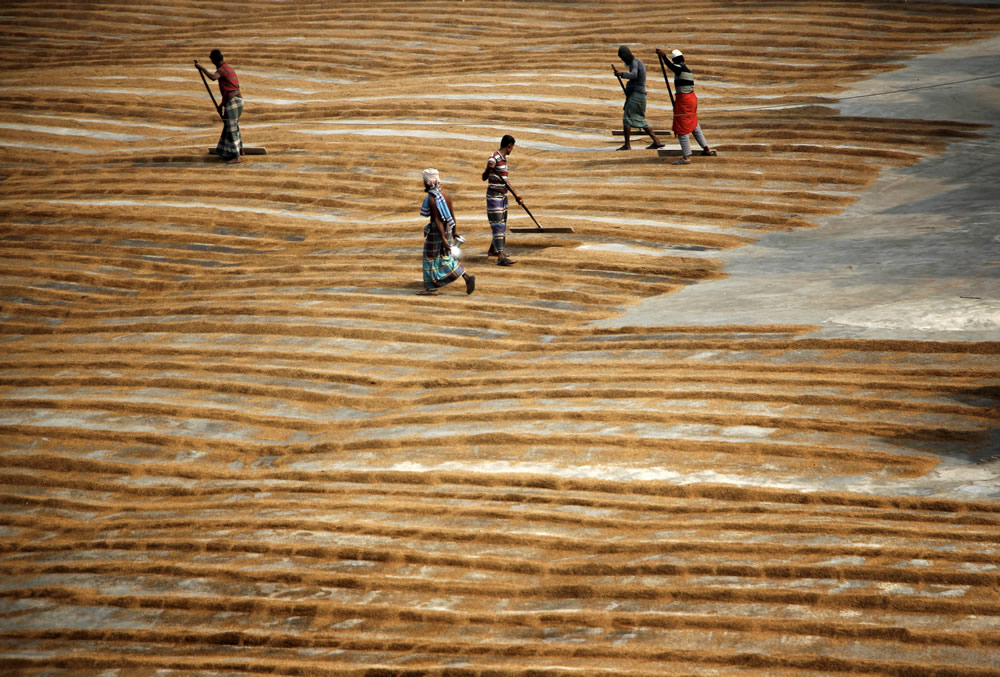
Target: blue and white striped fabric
point(442, 208)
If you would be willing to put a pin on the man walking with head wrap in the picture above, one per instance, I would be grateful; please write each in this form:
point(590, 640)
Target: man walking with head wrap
point(634, 113)
point(685, 107)
point(440, 265)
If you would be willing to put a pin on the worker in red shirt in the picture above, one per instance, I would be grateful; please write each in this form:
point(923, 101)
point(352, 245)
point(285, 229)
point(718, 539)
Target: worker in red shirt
point(230, 146)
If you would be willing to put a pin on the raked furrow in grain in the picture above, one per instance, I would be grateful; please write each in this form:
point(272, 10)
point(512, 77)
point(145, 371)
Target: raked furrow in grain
point(235, 442)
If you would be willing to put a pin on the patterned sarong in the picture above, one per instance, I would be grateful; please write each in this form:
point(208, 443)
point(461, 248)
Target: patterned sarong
point(496, 212)
point(634, 112)
point(230, 143)
point(685, 113)
point(439, 269)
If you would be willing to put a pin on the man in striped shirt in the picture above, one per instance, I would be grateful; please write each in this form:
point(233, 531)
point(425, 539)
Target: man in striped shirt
point(685, 107)
point(496, 198)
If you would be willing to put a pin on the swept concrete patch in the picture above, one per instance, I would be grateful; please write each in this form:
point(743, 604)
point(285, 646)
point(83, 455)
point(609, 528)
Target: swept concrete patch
point(916, 257)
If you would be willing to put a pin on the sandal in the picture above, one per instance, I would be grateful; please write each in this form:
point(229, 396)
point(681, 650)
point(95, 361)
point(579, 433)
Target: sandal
point(682, 161)
point(624, 148)
point(654, 146)
point(708, 152)
point(506, 262)
point(427, 292)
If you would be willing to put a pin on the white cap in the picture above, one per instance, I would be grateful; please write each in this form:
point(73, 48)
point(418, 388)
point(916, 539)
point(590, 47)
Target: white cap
point(432, 178)
point(676, 53)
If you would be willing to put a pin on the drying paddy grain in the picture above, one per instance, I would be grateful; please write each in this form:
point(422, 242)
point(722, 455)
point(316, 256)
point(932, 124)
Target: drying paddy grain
point(235, 441)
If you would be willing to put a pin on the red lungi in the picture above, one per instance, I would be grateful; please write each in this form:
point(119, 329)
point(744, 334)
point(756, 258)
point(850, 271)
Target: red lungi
point(685, 113)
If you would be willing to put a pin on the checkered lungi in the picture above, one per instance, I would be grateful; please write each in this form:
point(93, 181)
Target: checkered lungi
point(496, 212)
point(634, 111)
point(230, 144)
point(439, 269)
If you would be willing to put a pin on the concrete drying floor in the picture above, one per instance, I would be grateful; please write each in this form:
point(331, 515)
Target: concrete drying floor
point(916, 257)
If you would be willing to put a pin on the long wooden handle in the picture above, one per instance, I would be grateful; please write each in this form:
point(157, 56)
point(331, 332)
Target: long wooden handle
point(523, 206)
point(531, 215)
point(221, 116)
point(615, 71)
point(665, 78)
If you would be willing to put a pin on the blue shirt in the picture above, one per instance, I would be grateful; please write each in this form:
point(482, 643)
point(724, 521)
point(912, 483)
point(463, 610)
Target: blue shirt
point(636, 77)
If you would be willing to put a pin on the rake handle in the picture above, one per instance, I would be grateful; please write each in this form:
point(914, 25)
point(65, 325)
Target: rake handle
point(615, 71)
point(209, 89)
point(665, 78)
point(523, 206)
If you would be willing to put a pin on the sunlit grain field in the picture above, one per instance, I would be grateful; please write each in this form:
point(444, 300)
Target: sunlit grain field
point(233, 440)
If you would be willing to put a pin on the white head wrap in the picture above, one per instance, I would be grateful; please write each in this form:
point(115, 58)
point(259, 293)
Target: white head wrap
point(676, 53)
point(432, 178)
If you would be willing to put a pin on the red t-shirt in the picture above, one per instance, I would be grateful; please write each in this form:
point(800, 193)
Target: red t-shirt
point(229, 85)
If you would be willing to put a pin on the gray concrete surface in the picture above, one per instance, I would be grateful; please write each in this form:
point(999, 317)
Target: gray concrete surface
point(916, 257)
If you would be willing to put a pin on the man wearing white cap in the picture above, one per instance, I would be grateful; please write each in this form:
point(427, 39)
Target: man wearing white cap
point(685, 107)
point(441, 267)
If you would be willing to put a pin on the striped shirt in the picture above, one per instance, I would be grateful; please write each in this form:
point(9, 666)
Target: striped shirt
point(229, 84)
point(498, 165)
point(683, 77)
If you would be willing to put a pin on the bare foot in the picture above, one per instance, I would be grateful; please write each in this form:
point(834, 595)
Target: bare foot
point(234, 161)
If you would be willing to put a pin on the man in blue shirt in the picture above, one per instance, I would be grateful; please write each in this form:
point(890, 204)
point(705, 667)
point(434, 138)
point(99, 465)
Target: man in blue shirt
point(634, 114)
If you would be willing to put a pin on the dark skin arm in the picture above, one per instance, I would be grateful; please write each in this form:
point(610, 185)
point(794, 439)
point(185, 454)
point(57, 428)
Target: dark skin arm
point(622, 74)
point(669, 62)
point(447, 200)
point(211, 75)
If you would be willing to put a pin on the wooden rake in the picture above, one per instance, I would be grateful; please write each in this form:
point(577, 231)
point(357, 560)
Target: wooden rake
point(209, 90)
point(620, 83)
point(538, 227)
point(665, 78)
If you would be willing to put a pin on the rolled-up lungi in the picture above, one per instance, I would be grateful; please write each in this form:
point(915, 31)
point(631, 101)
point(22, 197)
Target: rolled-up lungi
point(685, 113)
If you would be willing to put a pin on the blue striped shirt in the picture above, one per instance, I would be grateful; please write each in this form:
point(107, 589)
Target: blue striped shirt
point(636, 77)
